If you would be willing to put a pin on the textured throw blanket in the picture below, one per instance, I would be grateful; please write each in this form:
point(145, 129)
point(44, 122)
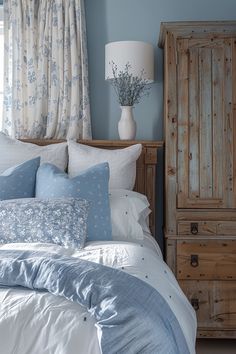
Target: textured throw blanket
point(131, 315)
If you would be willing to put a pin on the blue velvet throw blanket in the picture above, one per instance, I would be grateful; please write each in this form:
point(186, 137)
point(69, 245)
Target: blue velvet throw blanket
point(132, 316)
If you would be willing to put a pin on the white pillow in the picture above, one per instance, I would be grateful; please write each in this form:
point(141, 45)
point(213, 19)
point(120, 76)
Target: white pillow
point(129, 215)
point(122, 162)
point(14, 152)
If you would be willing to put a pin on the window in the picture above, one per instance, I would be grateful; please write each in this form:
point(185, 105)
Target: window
point(1, 61)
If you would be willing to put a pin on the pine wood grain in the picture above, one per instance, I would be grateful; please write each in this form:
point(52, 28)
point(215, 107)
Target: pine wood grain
point(200, 193)
point(216, 259)
point(217, 306)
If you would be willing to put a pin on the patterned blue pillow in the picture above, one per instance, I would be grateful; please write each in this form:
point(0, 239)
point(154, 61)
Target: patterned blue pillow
point(60, 221)
point(19, 181)
point(91, 184)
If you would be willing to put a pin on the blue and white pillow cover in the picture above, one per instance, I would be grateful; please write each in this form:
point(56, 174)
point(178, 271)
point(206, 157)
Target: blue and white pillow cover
point(91, 185)
point(19, 181)
point(59, 221)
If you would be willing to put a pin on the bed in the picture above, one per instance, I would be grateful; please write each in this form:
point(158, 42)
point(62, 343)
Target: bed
point(109, 296)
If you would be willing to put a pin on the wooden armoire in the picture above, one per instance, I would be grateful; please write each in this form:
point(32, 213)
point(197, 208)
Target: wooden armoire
point(200, 167)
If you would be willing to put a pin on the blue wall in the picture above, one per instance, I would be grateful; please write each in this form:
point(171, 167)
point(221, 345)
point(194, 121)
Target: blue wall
point(114, 20)
point(117, 20)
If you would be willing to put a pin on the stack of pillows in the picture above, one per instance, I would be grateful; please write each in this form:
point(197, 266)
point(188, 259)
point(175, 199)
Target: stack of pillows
point(40, 202)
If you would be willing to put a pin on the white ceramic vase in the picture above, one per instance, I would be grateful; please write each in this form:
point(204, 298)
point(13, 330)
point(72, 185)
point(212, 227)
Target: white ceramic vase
point(127, 124)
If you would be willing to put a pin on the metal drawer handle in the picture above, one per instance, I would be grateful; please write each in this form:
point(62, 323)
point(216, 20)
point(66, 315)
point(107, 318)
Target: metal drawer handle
point(194, 260)
point(195, 304)
point(194, 228)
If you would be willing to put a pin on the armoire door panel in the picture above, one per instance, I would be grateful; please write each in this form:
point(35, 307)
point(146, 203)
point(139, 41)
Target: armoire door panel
point(234, 115)
point(183, 115)
point(205, 118)
point(194, 124)
point(205, 124)
point(228, 125)
point(217, 116)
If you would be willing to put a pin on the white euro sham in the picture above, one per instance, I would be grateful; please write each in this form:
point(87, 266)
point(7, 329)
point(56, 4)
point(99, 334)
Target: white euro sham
point(14, 152)
point(122, 162)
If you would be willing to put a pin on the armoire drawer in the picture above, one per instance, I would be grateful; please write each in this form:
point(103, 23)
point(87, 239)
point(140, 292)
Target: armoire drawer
point(214, 302)
point(207, 228)
point(206, 259)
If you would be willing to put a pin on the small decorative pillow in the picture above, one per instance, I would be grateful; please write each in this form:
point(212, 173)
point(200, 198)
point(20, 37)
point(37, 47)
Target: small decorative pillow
point(15, 152)
point(129, 215)
point(122, 162)
point(91, 185)
point(60, 221)
point(19, 181)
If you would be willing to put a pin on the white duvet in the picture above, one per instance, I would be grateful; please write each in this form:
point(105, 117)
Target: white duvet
point(33, 322)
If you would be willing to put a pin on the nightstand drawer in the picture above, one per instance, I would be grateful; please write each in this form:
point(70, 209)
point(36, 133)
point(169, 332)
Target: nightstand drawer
point(214, 302)
point(213, 260)
point(207, 228)
point(197, 228)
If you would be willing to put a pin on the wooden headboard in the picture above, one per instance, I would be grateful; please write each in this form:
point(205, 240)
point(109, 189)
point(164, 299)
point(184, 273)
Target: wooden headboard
point(146, 165)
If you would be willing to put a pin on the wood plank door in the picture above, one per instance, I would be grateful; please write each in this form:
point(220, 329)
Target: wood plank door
point(206, 85)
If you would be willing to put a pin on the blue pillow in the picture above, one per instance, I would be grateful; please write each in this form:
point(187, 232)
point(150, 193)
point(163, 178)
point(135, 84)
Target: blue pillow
point(19, 181)
point(91, 184)
point(60, 221)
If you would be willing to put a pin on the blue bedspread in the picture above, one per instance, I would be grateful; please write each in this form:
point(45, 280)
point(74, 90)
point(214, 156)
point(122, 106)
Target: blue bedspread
point(133, 316)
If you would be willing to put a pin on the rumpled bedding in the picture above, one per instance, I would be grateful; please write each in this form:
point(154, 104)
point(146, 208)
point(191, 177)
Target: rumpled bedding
point(38, 322)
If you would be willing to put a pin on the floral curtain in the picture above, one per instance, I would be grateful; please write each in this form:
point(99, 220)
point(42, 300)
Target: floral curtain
point(46, 69)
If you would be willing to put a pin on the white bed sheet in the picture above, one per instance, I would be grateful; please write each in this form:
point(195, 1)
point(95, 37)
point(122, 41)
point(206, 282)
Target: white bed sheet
point(38, 322)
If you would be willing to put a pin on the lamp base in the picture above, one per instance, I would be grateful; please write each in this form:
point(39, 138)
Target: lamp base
point(127, 125)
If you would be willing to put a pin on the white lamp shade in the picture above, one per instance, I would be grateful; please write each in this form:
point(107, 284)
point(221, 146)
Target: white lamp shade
point(140, 56)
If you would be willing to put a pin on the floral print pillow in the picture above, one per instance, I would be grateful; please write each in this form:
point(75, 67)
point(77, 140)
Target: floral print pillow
point(60, 221)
